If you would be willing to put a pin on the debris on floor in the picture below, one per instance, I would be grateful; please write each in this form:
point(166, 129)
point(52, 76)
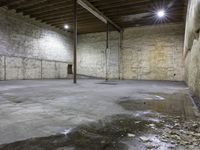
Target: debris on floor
point(182, 133)
point(131, 135)
point(175, 134)
point(144, 139)
point(170, 133)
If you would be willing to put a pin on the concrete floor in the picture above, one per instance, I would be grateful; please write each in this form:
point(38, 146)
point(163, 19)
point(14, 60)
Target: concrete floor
point(92, 115)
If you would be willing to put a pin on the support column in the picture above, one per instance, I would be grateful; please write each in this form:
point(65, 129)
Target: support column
point(120, 55)
point(75, 40)
point(106, 53)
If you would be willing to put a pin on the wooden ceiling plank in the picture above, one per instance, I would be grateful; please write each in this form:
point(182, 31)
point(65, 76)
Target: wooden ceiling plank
point(59, 12)
point(41, 5)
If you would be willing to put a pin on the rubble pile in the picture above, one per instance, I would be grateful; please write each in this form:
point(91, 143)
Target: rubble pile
point(182, 133)
point(174, 134)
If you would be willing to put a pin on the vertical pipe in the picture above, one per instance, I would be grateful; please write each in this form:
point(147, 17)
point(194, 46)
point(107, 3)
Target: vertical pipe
point(107, 46)
point(75, 38)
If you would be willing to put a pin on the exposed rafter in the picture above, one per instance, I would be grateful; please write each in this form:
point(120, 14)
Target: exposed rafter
point(121, 12)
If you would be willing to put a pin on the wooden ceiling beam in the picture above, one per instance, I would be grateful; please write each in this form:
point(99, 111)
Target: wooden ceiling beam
point(59, 12)
point(68, 11)
point(60, 6)
point(9, 2)
point(40, 5)
point(26, 3)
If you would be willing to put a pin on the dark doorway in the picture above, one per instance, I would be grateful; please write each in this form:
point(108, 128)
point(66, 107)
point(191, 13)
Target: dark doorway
point(69, 69)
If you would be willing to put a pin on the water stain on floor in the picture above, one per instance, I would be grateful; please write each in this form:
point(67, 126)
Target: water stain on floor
point(108, 83)
point(106, 134)
point(165, 104)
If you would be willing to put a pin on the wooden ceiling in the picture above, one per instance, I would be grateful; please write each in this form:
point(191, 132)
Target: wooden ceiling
point(125, 13)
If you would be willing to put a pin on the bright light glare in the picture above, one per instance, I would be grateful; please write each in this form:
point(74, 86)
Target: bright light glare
point(66, 26)
point(161, 13)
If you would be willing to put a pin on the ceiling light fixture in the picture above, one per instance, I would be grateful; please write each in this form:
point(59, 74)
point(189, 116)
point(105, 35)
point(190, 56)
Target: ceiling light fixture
point(161, 13)
point(66, 26)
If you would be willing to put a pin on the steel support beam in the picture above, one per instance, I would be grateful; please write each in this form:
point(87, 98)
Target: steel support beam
point(89, 7)
point(75, 40)
point(106, 53)
point(120, 69)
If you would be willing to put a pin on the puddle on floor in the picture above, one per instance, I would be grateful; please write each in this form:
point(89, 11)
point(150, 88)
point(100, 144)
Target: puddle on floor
point(108, 83)
point(123, 131)
point(106, 134)
point(170, 105)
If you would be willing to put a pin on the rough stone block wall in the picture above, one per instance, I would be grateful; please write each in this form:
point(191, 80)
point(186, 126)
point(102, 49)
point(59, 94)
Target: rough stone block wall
point(149, 53)
point(153, 52)
point(192, 54)
point(18, 68)
point(61, 70)
point(14, 68)
point(48, 70)
point(22, 37)
point(32, 69)
point(192, 65)
point(91, 55)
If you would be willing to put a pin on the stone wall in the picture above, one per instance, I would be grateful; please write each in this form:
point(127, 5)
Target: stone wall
point(192, 68)
point(192, 52)
point(27, 44)
point(153, 52)
point(32, 50)
point(149, 53)
point(19, 68)
point(91, 55)
point(2, 70)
